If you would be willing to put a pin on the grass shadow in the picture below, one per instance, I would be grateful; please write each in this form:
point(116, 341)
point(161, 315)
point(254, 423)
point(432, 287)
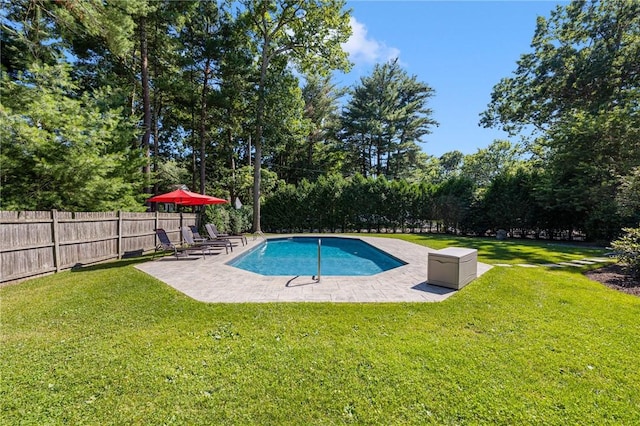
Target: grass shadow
point(112, 264)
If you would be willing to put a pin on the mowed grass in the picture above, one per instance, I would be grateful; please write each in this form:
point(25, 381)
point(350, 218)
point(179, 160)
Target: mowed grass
point(111, 345)
point(511, 251)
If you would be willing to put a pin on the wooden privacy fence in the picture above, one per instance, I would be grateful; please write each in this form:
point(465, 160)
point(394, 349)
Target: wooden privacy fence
point(40, 242)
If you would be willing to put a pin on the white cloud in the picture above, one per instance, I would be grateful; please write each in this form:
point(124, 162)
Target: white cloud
point(364, 50)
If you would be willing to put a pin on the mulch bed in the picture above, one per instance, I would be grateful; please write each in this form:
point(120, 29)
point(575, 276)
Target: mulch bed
point(615, 277)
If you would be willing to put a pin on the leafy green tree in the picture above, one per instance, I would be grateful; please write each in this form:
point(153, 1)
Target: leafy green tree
point(355, 199)
point(64, 151)
point(487, 163)
point(281, 212)
point(234, 114)
point(305, 207)
point(309, 33)
point(425, 210)
point(579, 91)
point(99, 34)
point(200, 38)
point(285, 127)
point(325, 201)
point(28, 35)
point(398, 203)
point(628, 196)
point(169, 174)
point(450, 165)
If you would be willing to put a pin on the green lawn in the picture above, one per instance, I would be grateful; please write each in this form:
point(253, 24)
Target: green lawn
point(111, 345)
point(509, 252)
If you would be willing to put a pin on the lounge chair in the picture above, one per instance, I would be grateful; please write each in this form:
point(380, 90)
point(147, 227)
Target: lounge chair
point(199, 239)
point(213, 233)
point(187, 235)
point(165, 244)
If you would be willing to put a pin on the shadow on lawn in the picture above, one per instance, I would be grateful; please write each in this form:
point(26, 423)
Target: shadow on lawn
point(127, 260)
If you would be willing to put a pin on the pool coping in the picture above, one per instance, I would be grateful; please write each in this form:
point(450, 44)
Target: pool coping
point(210, 279)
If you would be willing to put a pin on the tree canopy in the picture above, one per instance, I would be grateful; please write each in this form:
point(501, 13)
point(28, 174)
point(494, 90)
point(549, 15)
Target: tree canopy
point(579, 90)
point(105, 103)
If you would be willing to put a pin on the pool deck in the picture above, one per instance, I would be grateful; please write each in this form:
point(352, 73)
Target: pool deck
point(209, 279)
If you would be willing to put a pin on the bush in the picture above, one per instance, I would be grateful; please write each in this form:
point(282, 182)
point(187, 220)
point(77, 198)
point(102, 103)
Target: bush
point(229, 220)
point(628, 250)
point(240, 220)
point(219, 216)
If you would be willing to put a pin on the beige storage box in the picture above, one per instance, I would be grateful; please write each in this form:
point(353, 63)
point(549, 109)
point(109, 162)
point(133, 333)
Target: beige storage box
point(453, 267)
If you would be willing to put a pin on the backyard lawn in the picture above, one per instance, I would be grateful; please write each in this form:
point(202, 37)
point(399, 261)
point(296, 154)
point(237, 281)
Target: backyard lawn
point(111, 345)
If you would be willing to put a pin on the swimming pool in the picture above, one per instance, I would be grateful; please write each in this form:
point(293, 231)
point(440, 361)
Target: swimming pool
point(299, 256)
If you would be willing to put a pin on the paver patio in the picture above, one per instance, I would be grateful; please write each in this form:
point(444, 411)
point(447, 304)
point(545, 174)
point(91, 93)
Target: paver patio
point(210, 279)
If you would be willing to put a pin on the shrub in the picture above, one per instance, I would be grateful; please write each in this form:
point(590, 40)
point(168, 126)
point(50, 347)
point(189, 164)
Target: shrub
point(240, 220)
point(219, 216)
point(628, 250)
point(229, 220)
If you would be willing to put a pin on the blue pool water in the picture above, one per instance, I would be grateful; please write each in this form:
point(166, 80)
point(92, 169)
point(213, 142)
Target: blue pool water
point(299, 256)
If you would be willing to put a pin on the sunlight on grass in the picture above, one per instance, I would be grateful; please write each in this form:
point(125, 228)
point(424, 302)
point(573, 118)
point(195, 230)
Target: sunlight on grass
point(510, 251)
point(115, 346)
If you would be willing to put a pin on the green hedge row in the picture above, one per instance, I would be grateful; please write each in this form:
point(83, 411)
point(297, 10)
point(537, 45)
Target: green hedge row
point(333, 203)
point(512, 201)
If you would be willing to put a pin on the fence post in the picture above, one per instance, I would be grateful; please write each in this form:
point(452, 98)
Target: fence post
point(119, 244)
point(54, 236)
point(155, 236)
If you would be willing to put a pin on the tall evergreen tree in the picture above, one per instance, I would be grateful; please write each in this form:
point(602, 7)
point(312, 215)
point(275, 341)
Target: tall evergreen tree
point(384, 121)
point(320, 154)
point(64, 150)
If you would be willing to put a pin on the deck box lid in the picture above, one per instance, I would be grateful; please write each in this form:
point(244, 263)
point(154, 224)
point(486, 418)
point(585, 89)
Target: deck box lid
point(456, 251)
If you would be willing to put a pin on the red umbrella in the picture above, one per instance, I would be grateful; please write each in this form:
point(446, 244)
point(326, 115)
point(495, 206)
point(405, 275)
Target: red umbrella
point(204, 199)
point(185, 198)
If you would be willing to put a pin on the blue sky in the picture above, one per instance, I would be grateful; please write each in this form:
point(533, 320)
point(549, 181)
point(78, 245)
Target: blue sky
point(459, 48)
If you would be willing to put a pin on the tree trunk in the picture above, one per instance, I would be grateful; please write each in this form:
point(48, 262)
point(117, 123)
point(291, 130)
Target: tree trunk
point(258, 143)
point(232, 189)
point(146, 101)
point(156, 136)
point(157, 107)
point(203, 128)
point(193, 138)
point(379, 158)
point(256, 181)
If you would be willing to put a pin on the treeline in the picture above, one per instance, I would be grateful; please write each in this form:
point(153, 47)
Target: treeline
point(513, 201)
point(106, 103)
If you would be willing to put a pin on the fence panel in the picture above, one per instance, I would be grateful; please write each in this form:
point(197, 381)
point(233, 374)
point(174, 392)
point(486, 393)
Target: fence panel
point(87, 237)
point(26, 244)
point(40, 242)
point(137, 232)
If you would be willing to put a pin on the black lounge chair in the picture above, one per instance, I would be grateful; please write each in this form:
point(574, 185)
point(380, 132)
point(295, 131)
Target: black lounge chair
point(213, 233)
point(199, 239)
point(204, 245)
point(165, 244)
